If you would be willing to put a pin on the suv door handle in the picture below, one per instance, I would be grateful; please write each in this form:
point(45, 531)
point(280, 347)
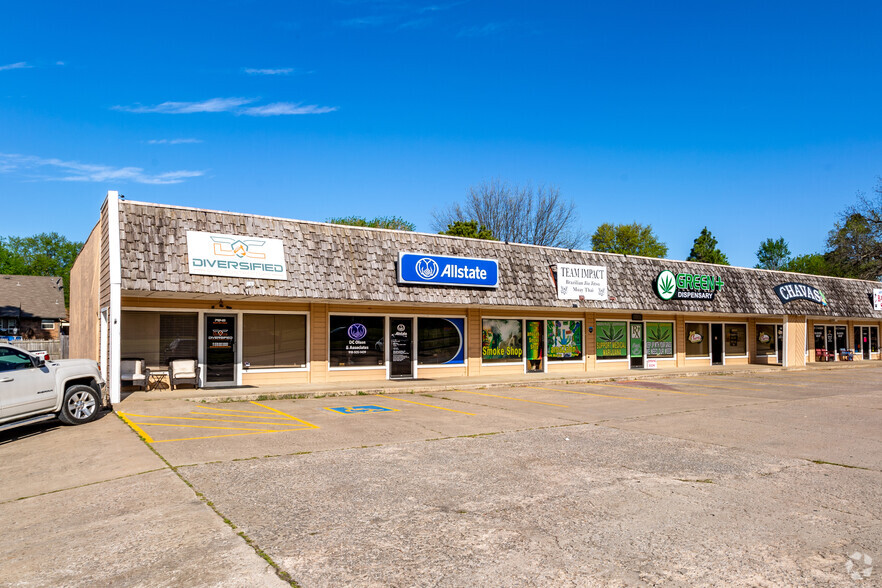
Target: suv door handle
point(7, 379)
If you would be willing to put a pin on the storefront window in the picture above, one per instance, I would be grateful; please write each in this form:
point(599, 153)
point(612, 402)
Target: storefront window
point(659, 339)
point(611, 340)
point(697, 344)
point(440, 341)
point(274, 341)
point(735, 339)
point(503, 340)
point(874, 339)
point(157, 337)
point(765, 339)
point(357, 341)
point(564, 340)
point(857, 339)
point(820, 341)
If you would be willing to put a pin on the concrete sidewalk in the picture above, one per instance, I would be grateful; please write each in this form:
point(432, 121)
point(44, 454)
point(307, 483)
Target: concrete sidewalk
point(245, 393)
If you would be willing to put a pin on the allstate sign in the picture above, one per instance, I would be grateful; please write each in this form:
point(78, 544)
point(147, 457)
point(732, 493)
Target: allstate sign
point(438, 270)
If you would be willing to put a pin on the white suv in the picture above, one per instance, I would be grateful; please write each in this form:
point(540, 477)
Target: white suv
point(34, 390)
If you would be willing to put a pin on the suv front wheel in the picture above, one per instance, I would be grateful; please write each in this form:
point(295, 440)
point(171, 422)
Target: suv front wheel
point(80, 405)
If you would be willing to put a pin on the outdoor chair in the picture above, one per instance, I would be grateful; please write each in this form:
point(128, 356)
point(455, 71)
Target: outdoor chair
point(133, 372)
point(183, 371)
point(822, 355)
point(846, 355)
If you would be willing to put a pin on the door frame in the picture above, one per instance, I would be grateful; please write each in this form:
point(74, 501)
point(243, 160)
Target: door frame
point(722, 333)
point(202, 353)
point(413, 346)
point(642, 365)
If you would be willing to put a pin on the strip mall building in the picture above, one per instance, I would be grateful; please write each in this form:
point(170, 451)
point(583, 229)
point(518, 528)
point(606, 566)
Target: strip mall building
point(268, 301)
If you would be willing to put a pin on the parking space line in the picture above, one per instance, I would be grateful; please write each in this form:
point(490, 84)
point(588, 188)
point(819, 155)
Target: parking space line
point(241, 416)
point(137, 429)
point(627, 387)
point(285, 414)
point(421, 404)
point(234, 410)
point(154, 416)
point(266, 419)
point(510, 398)
point(587, 393)
point(713, 386)
point(769, 383)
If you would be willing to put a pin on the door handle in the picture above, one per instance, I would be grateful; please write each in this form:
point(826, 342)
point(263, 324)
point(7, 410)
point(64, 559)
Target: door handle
point(7, 379)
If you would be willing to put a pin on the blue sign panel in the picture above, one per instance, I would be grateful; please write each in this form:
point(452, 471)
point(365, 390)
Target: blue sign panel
point(367, 408)
point(419, 268)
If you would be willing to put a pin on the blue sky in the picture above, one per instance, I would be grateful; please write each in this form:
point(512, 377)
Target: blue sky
point(756, 119)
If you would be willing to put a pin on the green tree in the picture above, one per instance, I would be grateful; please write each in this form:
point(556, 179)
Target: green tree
point(704, 248)
point(632, 239)
point(381, 222)
point(854, 247)
point(810, 263)
point(468, 229)
point(45, 254)
point(773, 254)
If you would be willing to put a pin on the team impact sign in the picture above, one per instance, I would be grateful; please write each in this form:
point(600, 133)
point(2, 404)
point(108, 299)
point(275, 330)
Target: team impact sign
point(437, 270)
point(214, 254)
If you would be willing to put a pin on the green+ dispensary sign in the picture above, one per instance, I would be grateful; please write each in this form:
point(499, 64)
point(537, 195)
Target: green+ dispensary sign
point(670, 286)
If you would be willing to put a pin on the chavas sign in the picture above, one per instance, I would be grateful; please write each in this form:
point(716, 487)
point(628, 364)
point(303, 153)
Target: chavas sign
point(442, 270)
point(797, 291)
point(671, 286)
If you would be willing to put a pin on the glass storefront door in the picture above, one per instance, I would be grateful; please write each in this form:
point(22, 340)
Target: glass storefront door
point(220, 349)
point(635, 346)
point(535, 346)
point(401, 348)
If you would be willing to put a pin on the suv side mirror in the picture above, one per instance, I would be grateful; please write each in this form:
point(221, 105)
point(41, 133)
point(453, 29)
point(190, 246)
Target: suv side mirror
point(38, 362)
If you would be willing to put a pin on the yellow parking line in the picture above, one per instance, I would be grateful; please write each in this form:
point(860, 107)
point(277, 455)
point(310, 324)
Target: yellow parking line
point(421, 404)
point(242, 416)
point(223, 428)
point(217, 436)
point(510, 398)
point(713, 386)
point(285, 414)
point(770, 383)
point(645, 388)
point(137, 429)
point(156, 416)
point(587, 393)
point(234, 410)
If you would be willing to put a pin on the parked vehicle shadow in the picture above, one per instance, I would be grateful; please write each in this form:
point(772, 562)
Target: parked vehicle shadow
point(26, 431)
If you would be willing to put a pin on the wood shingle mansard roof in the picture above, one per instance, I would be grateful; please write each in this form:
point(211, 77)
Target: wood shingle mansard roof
point(40, 297)
point(341, 263)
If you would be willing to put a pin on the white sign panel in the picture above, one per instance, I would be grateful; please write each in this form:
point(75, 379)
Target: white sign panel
point(576, 281)
point(877, 299)
point(235, 256)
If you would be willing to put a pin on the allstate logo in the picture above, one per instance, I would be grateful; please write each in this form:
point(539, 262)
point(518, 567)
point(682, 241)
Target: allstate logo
point(357, 331)
point(427, 268)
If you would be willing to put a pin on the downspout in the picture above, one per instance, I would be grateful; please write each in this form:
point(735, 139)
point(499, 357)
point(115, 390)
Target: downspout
point(115, 264)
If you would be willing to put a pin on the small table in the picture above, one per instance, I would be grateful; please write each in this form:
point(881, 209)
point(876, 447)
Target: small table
point(157, 377)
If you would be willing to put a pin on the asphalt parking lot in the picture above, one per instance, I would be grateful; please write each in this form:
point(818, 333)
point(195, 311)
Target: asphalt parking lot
point(745, 479)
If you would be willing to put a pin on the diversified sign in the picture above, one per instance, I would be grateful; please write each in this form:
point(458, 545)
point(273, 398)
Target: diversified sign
point(669, 286)
point(575, 282)
point(877, 299)
point(419, 268)
point(214, 254)
point(797, 291)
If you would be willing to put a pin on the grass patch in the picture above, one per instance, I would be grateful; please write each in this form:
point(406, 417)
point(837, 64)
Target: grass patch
point(841, 465)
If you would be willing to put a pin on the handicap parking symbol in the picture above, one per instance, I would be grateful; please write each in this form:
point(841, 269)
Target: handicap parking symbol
point(365, 408)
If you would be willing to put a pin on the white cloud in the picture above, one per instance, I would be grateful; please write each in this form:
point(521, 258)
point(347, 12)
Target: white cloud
point(172, 141)
point(491, 28)
point(234, 105)
point(282, 71)
point(212, 105)
point(19, 65)
point(52, 169)
point(59, 63)
point(282, 108)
